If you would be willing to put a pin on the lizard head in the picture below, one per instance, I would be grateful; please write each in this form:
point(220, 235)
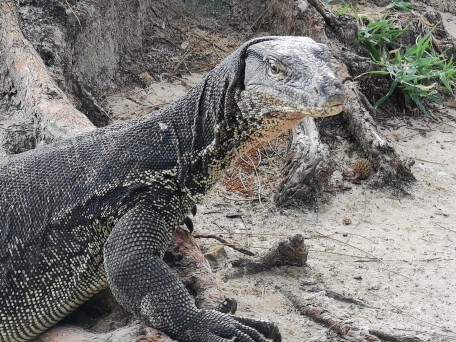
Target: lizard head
point(286, 79)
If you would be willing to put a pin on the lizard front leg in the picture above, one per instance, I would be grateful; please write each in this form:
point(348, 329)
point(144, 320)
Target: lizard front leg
point(145, 286)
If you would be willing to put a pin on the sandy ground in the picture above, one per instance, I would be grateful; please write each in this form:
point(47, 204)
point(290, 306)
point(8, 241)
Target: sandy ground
point(398, 256)
point(395, 264)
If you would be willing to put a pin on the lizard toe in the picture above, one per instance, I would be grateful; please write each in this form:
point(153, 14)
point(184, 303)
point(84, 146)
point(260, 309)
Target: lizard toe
point(252, 333)
point(268, 329)
point(212, 325)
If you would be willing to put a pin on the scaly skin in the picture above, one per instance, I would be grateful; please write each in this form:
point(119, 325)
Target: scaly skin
point(99, 210)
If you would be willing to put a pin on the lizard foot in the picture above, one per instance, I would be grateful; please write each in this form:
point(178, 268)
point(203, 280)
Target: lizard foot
point(214, 326)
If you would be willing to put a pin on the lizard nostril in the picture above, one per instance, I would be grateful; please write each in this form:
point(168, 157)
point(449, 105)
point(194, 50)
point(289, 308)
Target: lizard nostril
point(316, 91)
point(332, 88)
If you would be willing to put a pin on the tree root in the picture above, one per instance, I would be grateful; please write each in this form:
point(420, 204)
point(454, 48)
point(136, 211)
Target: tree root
point(194, 270)
point(342, 328)
point(391, 170)
point(45, 113)
point(116, 325)
point(136, 332)
point(309, 166)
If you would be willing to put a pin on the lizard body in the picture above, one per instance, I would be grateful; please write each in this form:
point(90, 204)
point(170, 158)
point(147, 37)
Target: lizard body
point(99, 209)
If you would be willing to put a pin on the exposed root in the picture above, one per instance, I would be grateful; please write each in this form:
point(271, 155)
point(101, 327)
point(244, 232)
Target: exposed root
point(343, 328)
point(136, 332)
point(194, 270)
point(45, 109)
point(391, 170)
point(309, 166)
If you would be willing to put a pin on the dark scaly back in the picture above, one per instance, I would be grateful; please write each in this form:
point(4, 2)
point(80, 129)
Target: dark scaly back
point(58, 203)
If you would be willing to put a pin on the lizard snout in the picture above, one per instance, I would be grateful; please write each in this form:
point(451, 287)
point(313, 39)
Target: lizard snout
point(330, 90)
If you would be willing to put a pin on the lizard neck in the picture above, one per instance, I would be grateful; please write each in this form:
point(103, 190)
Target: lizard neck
point(208, 131)
point(208, 125)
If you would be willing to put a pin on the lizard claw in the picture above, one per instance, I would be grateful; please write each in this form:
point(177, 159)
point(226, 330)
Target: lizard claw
point(189, 223)
point(214, 326)
point(268, 329)
point(229, 305)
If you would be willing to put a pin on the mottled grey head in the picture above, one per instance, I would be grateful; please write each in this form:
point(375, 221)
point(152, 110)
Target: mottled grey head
point(286, 79)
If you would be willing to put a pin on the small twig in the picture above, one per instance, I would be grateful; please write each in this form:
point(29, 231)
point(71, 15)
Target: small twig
point(71, 9)
point(257, 178)
point(210, 42)
point(225, 243)
point(401, 312)
point(450, 230)
point(240, 199)
point(268, 7)
point(340, 297)
point(255, 234)
point(240, 177)
point(182, 60)
point(429, 161)
point(361, 236)
point(370, 254)
point(408, 261)
point(212, 212)
point(343, 254)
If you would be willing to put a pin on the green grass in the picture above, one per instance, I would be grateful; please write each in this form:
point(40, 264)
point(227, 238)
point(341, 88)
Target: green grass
point(421, 73)
point(379, 36)
point(402, 5)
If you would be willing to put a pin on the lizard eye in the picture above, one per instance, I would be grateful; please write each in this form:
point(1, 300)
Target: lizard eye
point(277, 70)
point(274, 68)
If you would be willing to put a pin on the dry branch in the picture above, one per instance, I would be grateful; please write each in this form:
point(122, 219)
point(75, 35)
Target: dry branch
point(289, 251)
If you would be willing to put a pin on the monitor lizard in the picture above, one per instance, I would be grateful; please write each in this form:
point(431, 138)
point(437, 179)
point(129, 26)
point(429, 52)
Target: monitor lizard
point(99, 209)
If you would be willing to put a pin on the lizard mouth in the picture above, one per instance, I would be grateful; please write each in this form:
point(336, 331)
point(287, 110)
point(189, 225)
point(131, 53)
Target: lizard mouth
point(328, 109)
point(292, 114)
point(335, 108)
